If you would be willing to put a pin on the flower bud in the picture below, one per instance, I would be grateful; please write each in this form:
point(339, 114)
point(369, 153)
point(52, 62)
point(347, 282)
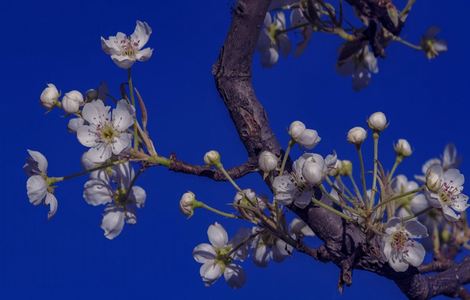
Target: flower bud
point(357, 135)
point(72, 101)
point(296, 128)
point(433, 181)
point(314, 171)
point(75, 123)
point(377, 121)
point(403, 148)
point(267, 161)
point(49, 96)
point(308, 139)
point(333, 165)
point(346, 168)
point(187, 204)
point(91, 95)
point(212, 158)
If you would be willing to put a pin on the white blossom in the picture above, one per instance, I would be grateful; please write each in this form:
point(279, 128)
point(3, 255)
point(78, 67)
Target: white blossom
point(212, 157)
point(412, 204)
point(267, 161)
point(267, 247)
point(450, 160)
point(447, 192)
point(38, 185)
point(399, 248)
point(377, 121)
point(124, 50)
point(307, 138)
point(106, 133)
point(357, 135)
point(49, 96)
point(72, 101)
point(271, 41)
point(75, 123)
point(114, 190)
point(432, 47)
point(294, 188)
point(187, 202)
point(403, 148)
point(314, 169)
point(217, 260)
point(360, 65)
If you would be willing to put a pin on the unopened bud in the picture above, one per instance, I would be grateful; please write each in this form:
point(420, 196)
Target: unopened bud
point(403, 148)
point(377, 121)
point(212, 158)
point(346, 168)
point(187, 204)
point(72, 101)
point(267, 161)
point(357, 135)
point(49, 96)
point(296, 128)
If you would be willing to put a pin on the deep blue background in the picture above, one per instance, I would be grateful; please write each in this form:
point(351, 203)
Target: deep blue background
point(58, 41)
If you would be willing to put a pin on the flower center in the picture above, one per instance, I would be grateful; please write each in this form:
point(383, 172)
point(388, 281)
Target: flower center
point(120, 197)
point(108, 133)
point(399, 240)
point(448, 192)
point(129, 47)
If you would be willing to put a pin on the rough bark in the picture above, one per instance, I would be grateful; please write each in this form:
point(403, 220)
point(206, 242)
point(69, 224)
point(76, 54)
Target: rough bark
point(346, 246)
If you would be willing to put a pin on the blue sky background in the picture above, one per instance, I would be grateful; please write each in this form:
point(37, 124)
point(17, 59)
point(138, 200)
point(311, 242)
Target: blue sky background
point(58, 42)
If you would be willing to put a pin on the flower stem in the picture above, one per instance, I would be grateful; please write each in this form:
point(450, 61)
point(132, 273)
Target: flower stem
point(363, 172)
point(131, 94)
point(398, 160)
point(376, 161)
point(398, 197)
point(406, 43)
point(356, 188)
point(214, 210)
point(417, 214)
point(286, 155)
point(331, 209)
point(220, 166)
point(336, 201)
point(78, 174)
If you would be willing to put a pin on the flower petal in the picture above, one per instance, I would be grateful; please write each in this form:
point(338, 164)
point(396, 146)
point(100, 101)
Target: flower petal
point(51, 200)
point(416, 229)
point(203, 253)
point(138, 196)
point(122, 116)
point(95, 112)
point(36, 188)
point(100, 153)
point(217, 235)
point(261, 255)
point(39, 159)
point(87, 136)
point(398, 265)
point(112, 223)
point(234, 276)
point(121, 143)
point(123, 61)
point(141, 34)
point(144, 54)
point(415, 253)
point(97, 192)
point(210, 272)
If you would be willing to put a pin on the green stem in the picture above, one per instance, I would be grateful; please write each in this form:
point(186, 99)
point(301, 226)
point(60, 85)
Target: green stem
point(216, 211)
point(417, 214)
point(398, 160)
point(406, 43)
point(331, 209)
point(286, 155)
point(336, 201)
point(78, 174)
point(398, 197)
point(229, 178)
point(376, 161)
point(131, 93)
point(356, 188)
point(363, 172)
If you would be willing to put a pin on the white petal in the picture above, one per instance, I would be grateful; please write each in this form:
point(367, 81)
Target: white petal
point(261, 255)
point(110, 46)
point(460, 203)
point(415, 253)
point(112, 223)
point(100, 153)
point(97, 192)
point(416, 229)
point(449, 214)
point(234, 276)
point(123, 174)
point(141, 34)
point(387, 249)
point(284, 44)
point(120, 143)
point(398, 265)
point(95, 112)
point(138, 196)
point(123, 61)
point(144, 54)
point(203, 253)
point(51, 200)
point(309, 139)
point(299, 227)
point(210, 272)
point(217, 235)
point(123, 116)
point(281, 250)
point(304, 199)
point(74, 124)
point(36, 188)
point(454, 176)
point(40, 159)
point(419, 203)
point(392, 225)
point(269, 57)
point(87, 135)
